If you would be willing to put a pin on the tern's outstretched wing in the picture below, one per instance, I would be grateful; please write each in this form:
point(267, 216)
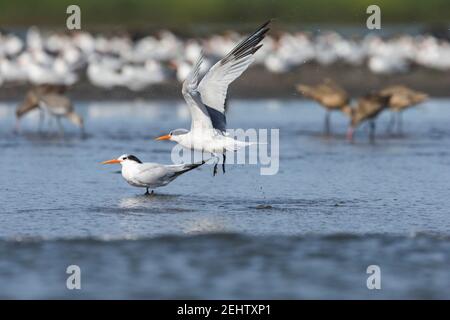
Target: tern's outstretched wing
point(200, 117)
point(214, 85)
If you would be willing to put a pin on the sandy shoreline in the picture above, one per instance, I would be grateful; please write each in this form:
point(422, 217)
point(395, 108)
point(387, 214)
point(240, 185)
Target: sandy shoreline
point(259, 83)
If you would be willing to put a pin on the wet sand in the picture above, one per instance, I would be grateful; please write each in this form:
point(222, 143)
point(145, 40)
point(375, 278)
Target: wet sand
point(257, 82)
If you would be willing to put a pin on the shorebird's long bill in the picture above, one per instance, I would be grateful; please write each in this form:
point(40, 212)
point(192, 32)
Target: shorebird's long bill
point(166, 137)
point(111, 161)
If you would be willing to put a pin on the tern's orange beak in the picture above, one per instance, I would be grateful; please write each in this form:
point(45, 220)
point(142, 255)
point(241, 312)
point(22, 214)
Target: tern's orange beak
point(111, 161)
point(166, 137)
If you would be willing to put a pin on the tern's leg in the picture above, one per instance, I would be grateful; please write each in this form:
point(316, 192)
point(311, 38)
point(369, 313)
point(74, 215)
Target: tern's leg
point(216, 163)
point(146, 192)
point(327, 123)
point(372, 131)
point(223, 163)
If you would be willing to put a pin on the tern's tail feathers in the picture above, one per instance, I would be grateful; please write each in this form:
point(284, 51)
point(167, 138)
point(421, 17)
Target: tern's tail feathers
point(188, 167)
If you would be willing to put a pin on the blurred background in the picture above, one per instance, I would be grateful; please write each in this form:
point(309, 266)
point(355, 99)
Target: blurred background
point(309, 40)
point(187, 15)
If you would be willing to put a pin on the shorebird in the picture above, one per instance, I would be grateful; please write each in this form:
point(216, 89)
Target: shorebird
point(58, 106)
point(400, 99)
point(149, 175)
point(367, 109)
point(31, 101)
point(207, 97)
point(49, 100)
point(329, 95)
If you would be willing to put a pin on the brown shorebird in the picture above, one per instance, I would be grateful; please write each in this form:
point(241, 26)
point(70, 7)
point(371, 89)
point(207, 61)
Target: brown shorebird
point(367, 108)
point(48, 99)
point(400, 99)
point(31, 100)
point(329, 95)
point(58, 106)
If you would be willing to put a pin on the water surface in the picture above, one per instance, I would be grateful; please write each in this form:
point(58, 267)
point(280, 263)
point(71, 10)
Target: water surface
point(309, 231)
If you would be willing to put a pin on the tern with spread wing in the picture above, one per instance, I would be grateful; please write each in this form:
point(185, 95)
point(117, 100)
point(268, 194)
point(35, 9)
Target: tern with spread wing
point(206, 99)
point(150, 175)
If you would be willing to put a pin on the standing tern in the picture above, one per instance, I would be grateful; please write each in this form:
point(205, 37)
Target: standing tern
point(206, 99)
point(149, 175)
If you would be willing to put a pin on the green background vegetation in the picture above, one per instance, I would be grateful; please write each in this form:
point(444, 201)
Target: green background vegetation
point(184, 13)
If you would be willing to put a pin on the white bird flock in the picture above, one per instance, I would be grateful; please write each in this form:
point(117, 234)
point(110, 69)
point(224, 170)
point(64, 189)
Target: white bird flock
point(118, 61)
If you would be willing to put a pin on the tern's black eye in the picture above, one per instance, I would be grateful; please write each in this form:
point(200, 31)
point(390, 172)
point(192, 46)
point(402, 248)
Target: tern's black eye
point(125, 158)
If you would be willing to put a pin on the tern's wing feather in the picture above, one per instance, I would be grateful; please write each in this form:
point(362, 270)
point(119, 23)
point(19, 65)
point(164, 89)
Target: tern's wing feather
point(214, 85)
point(158, 174)
point(200, 116)
point(153, 174)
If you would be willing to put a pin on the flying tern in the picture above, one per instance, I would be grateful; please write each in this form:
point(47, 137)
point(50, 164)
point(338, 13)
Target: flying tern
point(206, 99)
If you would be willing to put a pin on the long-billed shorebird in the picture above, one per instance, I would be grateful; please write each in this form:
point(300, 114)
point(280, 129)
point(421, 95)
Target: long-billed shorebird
point(207, 97)
point(329, 95)
point(400, 99)
point(49, 99)
point(367, 108)
point(149, 175)
point(59, 106)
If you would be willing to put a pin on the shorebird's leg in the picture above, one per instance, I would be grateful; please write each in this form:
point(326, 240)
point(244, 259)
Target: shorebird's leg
point(223, 163)
point(60, 126)
point(41, 120)
point(147, 193)
point(400, 122)
point(16, 129)
point(327, 123)
point(82, 132)
point(372, 131)
point(49, 121)
point(391, 123)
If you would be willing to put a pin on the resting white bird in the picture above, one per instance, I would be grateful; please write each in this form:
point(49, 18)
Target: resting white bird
point(149, 175)
point(207, 100)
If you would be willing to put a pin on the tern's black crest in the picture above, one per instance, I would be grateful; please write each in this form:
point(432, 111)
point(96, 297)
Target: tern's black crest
point(134, 158)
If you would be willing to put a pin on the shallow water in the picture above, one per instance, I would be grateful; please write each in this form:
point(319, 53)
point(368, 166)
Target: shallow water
point(309, 231)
